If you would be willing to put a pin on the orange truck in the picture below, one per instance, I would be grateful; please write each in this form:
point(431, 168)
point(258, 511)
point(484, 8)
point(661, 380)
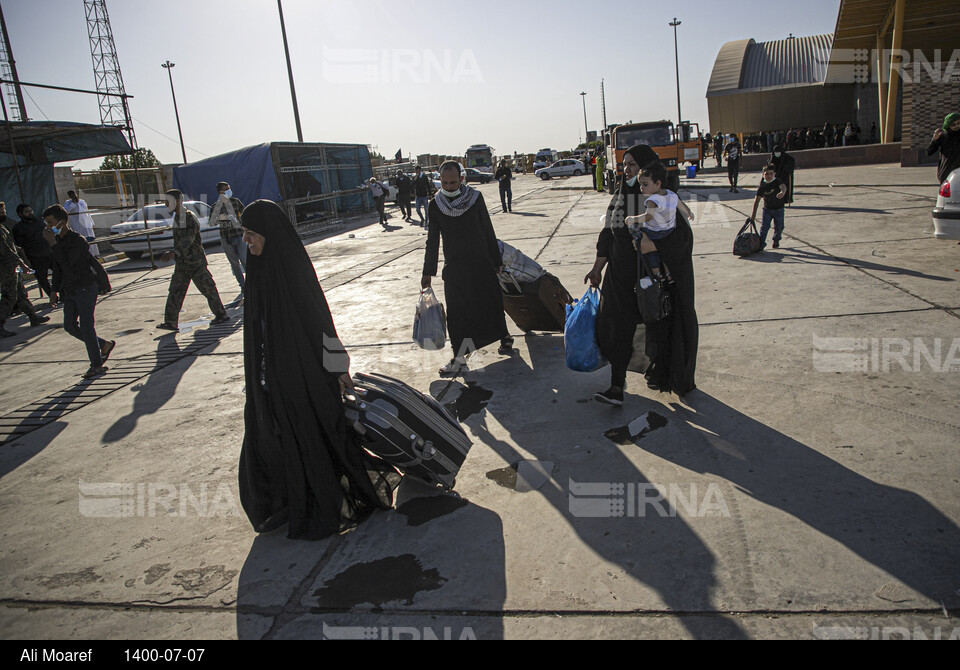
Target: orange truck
point(674, 145)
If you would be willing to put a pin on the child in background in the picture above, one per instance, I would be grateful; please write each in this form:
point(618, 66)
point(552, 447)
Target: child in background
point(773, 191)
point(660, 218)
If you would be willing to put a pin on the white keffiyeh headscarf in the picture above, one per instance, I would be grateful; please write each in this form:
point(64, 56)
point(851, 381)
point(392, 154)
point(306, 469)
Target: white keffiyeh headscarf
point(459, 205)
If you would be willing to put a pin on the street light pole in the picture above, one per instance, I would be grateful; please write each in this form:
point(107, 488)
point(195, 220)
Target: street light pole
point(168, 66)
point(293, 90)
point(676, 58)
point(586, 128)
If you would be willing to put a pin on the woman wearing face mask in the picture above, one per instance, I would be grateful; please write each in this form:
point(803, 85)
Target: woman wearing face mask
point(673, 341)
point(786, 165)
point(946, 140)
point(472, 260)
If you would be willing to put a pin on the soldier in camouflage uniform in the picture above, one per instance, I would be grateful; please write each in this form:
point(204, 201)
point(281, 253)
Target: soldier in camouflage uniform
point(191, 265)
point(13, 295)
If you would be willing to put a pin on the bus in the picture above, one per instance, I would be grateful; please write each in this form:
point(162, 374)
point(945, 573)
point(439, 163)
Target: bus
point(480, 156)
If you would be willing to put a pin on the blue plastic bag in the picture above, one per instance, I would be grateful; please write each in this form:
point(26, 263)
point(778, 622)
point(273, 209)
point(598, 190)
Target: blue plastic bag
point(580, 334)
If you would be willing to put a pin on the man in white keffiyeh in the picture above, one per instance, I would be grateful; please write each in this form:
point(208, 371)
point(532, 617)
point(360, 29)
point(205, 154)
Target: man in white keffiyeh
point(458, 216)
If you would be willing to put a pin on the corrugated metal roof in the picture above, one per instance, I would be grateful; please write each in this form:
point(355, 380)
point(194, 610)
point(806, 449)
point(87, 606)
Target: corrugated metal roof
point(746, 65)
point(727, 67)
point(789, 62)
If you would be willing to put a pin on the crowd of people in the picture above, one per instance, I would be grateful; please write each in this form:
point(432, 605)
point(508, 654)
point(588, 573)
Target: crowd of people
point(795, 139)
point(300, 464)
point(60, 252)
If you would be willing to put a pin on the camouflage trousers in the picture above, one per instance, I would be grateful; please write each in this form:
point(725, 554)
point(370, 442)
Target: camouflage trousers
point(180, 282)
point(13, 297)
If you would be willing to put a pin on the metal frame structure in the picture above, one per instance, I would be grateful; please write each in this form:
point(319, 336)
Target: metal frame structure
point(8, 70)
point(106, 65)
point(326, 167)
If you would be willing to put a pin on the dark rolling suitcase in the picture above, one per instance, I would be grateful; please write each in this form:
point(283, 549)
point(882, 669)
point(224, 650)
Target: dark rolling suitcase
point(537, 305)
point(408, 429)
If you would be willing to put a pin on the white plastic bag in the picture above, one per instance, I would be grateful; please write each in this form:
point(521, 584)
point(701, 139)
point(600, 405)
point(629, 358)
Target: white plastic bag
point(430, 322)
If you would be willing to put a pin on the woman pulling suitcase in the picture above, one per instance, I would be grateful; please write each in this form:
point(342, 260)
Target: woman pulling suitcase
point(299, 462)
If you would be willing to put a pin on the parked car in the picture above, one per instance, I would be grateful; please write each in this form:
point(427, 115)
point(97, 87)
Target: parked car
point(158, 216)
point(565, 168)
point(946, 215)
point(473, 174)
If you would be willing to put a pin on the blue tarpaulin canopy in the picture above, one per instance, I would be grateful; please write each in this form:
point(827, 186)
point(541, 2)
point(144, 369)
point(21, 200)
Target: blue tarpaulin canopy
point(249, 172)
point(314, 181)
point(40, 144)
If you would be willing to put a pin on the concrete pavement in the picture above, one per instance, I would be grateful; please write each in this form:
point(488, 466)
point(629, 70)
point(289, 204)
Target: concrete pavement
point(807, 489)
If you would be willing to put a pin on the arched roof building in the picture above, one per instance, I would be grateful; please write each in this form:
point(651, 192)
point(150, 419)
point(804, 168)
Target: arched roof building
point(891, 62)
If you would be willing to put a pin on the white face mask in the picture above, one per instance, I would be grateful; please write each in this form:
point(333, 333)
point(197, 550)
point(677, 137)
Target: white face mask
point(776, 155)
point(632, 181)
point(450, 194)
point(228, 193)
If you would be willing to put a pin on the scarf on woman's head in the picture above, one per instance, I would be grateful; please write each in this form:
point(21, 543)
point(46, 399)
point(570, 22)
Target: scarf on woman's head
point(643, 154)
point(459, 205)
point(950, 119)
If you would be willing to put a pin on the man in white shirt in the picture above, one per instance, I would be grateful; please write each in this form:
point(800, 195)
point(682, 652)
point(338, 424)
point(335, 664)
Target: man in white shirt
point(80, 221)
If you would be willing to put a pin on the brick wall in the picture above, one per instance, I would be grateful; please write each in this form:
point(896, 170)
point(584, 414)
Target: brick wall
point(925, 102)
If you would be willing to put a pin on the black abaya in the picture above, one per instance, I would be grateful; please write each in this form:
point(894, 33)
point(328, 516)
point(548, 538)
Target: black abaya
point(671, 344)
point(299, 461)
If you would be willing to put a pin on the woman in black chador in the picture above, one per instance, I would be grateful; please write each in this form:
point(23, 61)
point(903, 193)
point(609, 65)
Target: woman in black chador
point(299, 461)
point(671, 344)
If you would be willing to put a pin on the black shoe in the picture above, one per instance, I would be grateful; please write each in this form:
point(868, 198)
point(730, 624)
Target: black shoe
point(166, 325)
point(95, 372)
point(505, 350)
point(7, 333)
point(106, 349)
point(776, 244)
point(37, 320)
point(612, 396)
point(223, 318)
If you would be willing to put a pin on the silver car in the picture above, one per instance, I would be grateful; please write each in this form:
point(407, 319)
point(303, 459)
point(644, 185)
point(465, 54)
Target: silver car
point(567, 167)
point(158, 216)
point(946, 215)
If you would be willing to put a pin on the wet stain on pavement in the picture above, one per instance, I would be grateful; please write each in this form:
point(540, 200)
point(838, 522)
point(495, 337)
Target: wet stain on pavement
point(421, 510)
point(636, 430)
point(85, 576)
point(155, 572)
point(122, 333)
point(471, 400)
point(205, 580)
point(378, 582)
point(505, 477)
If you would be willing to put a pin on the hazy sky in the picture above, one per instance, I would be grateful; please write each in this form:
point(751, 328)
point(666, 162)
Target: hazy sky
point(427, 77)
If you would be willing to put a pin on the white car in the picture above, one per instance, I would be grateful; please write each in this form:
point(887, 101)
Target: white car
point(946, 215)
point(568, 167)
point(158, 216)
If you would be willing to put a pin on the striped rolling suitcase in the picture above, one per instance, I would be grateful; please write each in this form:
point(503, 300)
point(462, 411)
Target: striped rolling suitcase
point(408, 429)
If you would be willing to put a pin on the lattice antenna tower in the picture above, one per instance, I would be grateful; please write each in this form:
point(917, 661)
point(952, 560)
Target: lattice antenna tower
point(114, 110)
point(8, 70)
